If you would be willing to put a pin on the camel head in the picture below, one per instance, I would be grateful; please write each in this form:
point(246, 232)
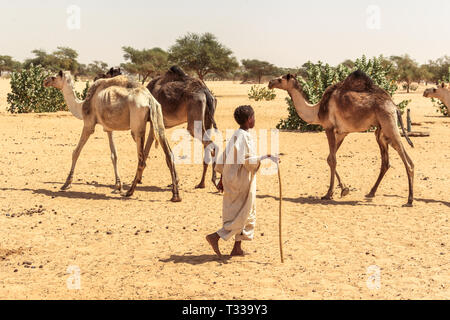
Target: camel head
point(438, 92)
point(286, 82)
point(59, 80)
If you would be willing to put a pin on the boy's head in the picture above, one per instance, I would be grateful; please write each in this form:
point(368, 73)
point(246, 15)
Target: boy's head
point(245, 117)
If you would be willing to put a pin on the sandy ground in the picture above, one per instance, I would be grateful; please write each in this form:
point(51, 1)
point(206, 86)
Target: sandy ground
point(149, 248)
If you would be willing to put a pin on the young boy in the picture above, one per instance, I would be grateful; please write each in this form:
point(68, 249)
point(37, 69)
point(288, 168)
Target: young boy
point(238, 166)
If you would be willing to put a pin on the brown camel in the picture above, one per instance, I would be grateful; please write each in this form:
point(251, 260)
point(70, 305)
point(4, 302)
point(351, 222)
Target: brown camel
point(353, 105)
point(117, 104)
point(442, 93)
point(113, 72)
point(185, 99)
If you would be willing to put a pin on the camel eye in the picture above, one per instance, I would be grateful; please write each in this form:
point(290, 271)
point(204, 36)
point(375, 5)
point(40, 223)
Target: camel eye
point(434, 90)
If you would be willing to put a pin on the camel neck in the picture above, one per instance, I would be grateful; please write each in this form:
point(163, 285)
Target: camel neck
point(306, 111)
point(75, 105)
point(446, 98)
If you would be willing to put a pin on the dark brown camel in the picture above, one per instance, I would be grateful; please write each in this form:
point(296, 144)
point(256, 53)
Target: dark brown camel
point(353, 105)
point(185, 99)
point(113, 72)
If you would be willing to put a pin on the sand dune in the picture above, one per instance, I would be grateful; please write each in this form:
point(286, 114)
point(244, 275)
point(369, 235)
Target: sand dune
point(149, 248)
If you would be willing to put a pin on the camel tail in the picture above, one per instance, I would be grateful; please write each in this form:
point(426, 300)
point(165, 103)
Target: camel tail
point(157, 122)
point(210, 108)
point(405, 133)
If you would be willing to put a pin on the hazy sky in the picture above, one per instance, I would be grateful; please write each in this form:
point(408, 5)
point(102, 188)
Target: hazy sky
point(284, 32)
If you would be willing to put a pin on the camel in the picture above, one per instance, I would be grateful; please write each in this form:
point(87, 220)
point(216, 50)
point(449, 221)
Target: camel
point(113, 72)
point(117, 104)
point(353, 105)
point(185, 99)
point(442, 93)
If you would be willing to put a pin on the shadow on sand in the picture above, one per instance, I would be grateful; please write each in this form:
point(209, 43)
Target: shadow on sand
point(427, 201)
point(196, 260)
point(70, 194)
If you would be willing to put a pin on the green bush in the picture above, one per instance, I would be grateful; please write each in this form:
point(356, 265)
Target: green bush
point(83, 94)
point(258, 93)
point(320, 76)
point(441, 107)
point(28, 93)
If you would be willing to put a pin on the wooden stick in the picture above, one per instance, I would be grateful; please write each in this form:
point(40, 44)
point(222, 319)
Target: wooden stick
point(281, 215)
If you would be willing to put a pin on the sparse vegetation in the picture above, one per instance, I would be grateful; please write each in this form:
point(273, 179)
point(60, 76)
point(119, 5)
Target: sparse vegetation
point(259, 93)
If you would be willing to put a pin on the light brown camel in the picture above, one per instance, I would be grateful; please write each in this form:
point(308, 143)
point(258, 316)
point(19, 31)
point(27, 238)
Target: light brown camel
point(442, 93)
point(117, 104)
point(353, 105)
point(186, 99)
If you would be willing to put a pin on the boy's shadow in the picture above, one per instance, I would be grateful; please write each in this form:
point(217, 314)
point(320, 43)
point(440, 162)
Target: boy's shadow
point(196, 260)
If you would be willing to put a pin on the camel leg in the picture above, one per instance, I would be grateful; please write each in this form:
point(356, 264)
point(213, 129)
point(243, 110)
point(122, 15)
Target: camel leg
point(409, 165)
point(331, 162)
point(170, 160)
point(118, 185)
point(148, 146)
point(87, 132)
point(384, 149)
point(344, 189)
point(140, 139)
point(201, 185)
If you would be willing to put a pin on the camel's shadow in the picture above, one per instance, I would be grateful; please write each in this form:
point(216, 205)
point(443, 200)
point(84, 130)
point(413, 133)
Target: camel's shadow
point(195, 260)
point(71, 194)
point(427, 201)
point(125, 186)
point(311, 200)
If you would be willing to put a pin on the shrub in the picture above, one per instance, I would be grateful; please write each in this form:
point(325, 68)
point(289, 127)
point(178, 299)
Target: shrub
point(83, 94)
point(28, 93)
point(441, 107)
point(258, 93)
point(320, 76)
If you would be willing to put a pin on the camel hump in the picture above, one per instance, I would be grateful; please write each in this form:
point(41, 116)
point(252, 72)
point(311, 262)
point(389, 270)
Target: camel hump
point(178, 71)
point(358, 81)
point(101, 84)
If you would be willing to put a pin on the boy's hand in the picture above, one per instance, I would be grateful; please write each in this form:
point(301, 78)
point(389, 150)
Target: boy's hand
point(220, 186)
point(273, 158)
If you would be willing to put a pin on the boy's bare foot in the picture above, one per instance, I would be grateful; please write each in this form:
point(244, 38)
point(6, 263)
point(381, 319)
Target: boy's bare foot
point(213, 240)
point(237, 250)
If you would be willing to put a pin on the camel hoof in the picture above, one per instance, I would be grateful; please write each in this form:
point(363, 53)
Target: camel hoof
point(327, 198)
point(200, 186)
point(345, 192)
point(370, 195)
point(139, 182)
point(408, 205)
point(66, 187)
point(129, 194)
point(176, 199)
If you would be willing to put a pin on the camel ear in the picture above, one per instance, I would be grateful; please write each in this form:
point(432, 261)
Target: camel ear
point(443, 84)
point(288, 77)
point(60, 73)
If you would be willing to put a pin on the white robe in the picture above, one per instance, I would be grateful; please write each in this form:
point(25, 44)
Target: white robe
point(239, 181)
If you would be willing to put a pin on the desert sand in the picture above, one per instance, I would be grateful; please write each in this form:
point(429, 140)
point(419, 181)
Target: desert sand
point(149, 248)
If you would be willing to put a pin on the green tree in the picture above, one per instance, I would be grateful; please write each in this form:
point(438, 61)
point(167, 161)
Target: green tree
point(406, 69)
point(146, 63)
point(63, 58)
point(257, 69)
point(202, 54)
point(7, 63)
